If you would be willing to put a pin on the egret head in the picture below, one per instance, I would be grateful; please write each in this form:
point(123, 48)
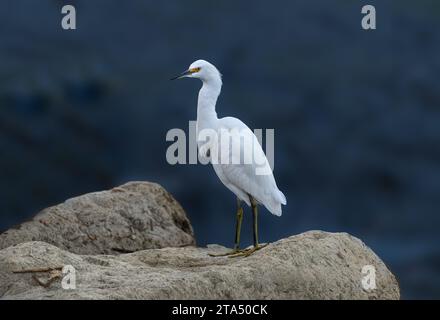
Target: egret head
point(202, 70)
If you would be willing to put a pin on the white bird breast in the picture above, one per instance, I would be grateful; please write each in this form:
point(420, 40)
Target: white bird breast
point(232, 146)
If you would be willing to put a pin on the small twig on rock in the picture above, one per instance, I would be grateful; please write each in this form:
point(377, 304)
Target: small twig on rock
point(48, 269)
point(54, 274)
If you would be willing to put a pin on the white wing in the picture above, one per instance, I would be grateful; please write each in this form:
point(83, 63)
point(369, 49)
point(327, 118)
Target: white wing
point(248, 171)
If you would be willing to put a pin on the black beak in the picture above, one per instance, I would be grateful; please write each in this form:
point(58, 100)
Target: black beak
point(185, 73)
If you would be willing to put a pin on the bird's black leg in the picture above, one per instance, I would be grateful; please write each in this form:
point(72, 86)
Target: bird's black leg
point(239, 220)
point(255, 222)
point(238, 225)
point(257, 245)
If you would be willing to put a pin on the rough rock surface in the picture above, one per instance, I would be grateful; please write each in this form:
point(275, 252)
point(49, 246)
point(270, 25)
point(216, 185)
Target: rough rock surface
point(132, 217)
point(312, 265)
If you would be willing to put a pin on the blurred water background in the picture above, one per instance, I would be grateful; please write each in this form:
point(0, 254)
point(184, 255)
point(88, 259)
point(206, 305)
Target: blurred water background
point(356, 113)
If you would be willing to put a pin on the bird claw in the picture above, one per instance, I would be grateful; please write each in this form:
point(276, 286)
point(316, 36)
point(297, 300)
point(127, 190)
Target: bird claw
point(248, 252)
point(229, 253)
point(239, 252)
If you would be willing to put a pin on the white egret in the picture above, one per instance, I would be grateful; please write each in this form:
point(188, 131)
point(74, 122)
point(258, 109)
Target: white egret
point(239, 176)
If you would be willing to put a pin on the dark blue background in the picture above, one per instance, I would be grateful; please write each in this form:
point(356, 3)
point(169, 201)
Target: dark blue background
point(356, 113)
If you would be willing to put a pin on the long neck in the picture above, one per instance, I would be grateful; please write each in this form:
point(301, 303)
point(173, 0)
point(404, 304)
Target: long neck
point(208, 95)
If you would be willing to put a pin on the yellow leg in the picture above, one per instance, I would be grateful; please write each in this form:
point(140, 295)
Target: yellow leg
point(257, 245)
point(237, 234)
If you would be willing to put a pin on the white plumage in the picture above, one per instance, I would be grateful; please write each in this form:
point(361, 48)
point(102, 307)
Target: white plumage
point(239, 177)
point(242, 179)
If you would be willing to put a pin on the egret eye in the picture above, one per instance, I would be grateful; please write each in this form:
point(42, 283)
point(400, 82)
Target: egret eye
point(194, 70)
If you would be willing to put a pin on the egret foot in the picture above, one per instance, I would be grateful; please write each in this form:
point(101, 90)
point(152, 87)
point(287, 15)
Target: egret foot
point(248, 252)
point(237, 234)
point(229, 253)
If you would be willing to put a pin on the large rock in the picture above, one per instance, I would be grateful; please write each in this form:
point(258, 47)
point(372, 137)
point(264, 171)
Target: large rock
point(132, 217)
point(312, 265)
